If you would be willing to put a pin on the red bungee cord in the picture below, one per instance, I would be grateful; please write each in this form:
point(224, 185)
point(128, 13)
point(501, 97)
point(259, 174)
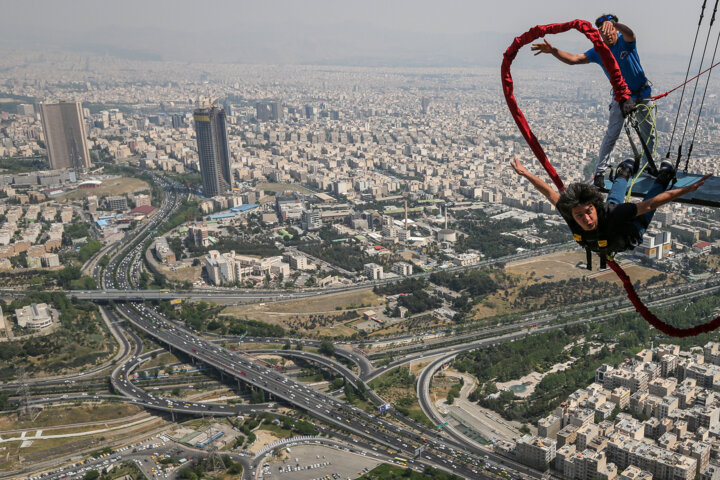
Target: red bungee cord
point(622, 92)
point(657, 97)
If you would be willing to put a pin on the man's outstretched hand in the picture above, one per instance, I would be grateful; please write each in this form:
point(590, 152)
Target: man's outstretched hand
point(518, 167)
point(693, 187)
point(542, 47)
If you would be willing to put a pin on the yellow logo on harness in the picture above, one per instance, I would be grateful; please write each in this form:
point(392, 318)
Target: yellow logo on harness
point(602, 243)
point(577, 237)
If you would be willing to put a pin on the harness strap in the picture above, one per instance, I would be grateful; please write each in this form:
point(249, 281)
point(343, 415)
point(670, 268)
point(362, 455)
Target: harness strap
point(652, 168)
point(588, 257)
point(637, 92)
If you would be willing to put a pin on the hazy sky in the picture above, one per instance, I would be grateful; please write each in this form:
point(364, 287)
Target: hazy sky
point(440, 32)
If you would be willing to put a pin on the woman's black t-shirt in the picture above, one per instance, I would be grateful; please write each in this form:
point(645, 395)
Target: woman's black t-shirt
point(616, 225)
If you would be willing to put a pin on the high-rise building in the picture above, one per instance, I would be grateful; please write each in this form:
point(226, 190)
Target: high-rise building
point(178, 121)
point(65, 136)
point(117, 203)
point(311, 220)
point(269, 111)
point(424, 105)
point(212, 144)
point(25, 109)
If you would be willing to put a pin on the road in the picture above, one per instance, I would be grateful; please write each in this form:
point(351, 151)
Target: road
point(124, 292)
point(236, 367)
point(447, 449)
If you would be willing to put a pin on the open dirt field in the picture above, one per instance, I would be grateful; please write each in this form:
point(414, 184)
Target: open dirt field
point(565, 265)
point(635, 272)
point(112, 186)
point(336, 331)
point(55, 416)
point(263, 439)
point(165, 358)
point(560, 266)
point(555, 267)
point(313, 305)
point(320, 311)
point(180, 271)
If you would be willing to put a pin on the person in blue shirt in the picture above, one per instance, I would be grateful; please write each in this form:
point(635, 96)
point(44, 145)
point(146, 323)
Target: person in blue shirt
point(622, 43)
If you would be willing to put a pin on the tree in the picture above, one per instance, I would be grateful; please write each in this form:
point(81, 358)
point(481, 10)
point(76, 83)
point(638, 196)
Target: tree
point(304, 428)
point(68, 274)
point(91, 475)
point(361, 389)
point(257, 396)
point(327, 348)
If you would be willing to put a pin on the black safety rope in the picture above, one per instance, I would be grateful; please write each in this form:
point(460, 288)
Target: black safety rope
point(702, 60)
point(687, 73)
point(702, 102)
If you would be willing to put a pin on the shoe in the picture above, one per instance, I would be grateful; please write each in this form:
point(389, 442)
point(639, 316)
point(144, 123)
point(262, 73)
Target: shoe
point(599, 180)
point(666, 173)
point(625, 169)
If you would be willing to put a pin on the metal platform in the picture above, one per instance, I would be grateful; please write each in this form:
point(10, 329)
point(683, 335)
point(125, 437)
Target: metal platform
point(708, 195)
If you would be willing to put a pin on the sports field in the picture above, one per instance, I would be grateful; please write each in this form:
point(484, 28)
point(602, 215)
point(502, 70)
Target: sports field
point(109, 187)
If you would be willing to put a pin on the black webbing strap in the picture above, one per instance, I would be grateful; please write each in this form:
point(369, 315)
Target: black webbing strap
point(588, 262)
point(652, 168)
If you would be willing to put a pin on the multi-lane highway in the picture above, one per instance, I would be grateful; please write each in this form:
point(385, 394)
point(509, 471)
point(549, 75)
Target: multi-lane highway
point(239, 368)
point(121, 273)
point(124, 291)
point(119, 279)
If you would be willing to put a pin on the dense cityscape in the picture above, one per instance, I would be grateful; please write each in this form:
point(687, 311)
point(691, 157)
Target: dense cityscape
point(305, 272)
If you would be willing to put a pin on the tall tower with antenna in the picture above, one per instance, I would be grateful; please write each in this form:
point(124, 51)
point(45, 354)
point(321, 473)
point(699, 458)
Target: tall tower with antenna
point(406, 215)
point(26, 409)
point(216, 462)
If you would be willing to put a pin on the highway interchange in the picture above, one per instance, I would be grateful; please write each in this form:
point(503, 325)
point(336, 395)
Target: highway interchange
point(122, 272)
point(446, 449)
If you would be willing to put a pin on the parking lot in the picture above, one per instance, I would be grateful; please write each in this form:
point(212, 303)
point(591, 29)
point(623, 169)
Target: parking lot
point(314, 462)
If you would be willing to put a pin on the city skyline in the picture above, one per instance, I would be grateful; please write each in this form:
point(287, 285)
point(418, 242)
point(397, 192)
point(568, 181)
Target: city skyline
point(399, 34)
point(302, 230)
